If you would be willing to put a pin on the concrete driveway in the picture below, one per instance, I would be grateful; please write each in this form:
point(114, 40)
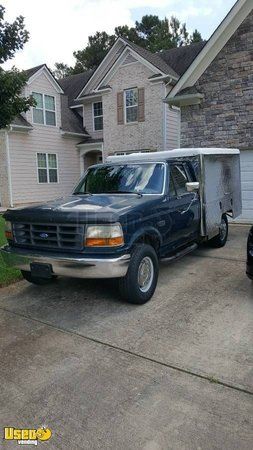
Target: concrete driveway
point(175, 373)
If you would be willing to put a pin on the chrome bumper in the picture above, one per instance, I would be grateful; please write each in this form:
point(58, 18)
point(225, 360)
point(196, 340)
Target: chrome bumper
point(67, 266)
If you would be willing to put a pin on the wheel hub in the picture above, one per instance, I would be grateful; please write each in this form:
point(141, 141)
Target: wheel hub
point(145, 274)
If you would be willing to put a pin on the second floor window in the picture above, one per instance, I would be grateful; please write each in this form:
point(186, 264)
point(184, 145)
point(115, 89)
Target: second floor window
point(131, 105)
point(44, 111)
point(98, 116)
point(47, 168)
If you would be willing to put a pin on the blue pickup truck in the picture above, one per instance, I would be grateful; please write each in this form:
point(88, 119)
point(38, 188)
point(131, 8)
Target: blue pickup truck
point(125, 215)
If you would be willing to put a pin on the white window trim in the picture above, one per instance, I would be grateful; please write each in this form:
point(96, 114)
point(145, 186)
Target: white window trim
point(132, 106)
point(93, 117)
point(44, 110)
point(47, 168)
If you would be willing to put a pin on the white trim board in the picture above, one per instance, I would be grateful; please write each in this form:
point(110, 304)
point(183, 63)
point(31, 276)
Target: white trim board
point(217, 41)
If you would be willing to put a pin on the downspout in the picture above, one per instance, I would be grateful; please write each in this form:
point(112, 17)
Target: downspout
point(7, 144)
point(164, 122)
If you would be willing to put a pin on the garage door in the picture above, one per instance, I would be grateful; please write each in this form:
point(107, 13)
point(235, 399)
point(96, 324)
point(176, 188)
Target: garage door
point(247, 185)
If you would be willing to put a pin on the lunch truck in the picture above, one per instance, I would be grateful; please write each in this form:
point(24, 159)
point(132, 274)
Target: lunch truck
point(127, 214)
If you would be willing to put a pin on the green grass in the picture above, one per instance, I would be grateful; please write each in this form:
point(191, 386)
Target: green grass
point(7, 274)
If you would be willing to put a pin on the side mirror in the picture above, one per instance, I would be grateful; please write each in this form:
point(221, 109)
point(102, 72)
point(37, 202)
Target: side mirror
point(192, 186)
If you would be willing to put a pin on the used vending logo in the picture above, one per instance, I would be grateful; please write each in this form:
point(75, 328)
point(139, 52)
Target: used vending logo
point(25, 436)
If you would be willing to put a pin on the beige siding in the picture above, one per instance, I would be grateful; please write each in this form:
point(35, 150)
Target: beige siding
point(142, 135)
point(172, 128)
point(44, 139)
point(88, 119)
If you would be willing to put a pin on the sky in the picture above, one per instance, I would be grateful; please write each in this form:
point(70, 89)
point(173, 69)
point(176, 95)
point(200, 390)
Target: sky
point(59, 27)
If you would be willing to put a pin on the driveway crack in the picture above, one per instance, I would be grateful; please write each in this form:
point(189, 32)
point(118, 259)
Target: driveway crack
point(210, 379)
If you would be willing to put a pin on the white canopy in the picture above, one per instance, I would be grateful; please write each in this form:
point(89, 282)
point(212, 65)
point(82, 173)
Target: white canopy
point(167, 154)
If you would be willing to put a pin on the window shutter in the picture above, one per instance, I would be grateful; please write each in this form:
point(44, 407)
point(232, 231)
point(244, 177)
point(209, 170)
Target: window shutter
point(141, 105)
point(120, 108)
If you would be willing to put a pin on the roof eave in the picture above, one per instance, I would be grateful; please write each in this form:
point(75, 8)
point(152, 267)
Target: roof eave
point(74, 134)
point(185, 100)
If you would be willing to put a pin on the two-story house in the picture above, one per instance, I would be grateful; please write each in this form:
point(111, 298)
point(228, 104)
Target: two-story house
point(82, 118)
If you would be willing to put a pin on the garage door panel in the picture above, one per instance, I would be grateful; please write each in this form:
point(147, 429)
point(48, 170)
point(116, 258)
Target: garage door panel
point(247, 185)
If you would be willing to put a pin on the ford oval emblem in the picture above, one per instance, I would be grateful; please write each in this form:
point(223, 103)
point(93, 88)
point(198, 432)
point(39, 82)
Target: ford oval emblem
point(44, 235)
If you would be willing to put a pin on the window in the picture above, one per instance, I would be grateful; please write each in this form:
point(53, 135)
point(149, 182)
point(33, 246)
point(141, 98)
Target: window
point(131, 105)
point(180, 178)
point(44, 111)
point(47, 168)
point(98, 116)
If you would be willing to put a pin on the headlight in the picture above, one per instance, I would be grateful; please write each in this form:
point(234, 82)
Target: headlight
point(104, 235)
point(8, 230)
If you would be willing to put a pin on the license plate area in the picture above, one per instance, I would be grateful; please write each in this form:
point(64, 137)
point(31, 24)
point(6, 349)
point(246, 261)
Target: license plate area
point(41, 270)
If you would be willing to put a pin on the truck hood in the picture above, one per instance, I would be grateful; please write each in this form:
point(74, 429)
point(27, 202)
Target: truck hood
point(84, 208)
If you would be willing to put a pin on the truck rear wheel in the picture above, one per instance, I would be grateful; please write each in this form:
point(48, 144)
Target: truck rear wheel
point(36, 280)
point(138, 286)
point(221, 239)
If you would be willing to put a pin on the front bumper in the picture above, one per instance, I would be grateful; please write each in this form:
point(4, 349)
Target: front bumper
point(75, 267)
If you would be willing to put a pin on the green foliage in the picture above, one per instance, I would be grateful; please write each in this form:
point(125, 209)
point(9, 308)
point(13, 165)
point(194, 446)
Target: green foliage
point(151, 33)
point(196, 36)
point(62, 70)
point(7, 274)
point(12, 38)
point(91, 56)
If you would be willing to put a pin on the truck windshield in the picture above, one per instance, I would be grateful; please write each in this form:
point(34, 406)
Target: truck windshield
point(145, 178)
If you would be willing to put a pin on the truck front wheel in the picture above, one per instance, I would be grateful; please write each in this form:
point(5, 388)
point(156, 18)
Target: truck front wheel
point(36, 280)
point(138, 286)
point(221, 239)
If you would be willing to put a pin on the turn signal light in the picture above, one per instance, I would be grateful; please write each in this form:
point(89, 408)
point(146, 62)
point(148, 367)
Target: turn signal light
point(8, 230)
point(102, 242)
point(8, 234)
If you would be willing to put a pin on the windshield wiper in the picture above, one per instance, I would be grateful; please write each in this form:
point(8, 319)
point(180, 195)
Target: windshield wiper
point(123, 192)
point(82, 193)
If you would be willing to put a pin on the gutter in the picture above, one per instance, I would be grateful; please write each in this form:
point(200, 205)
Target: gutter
point(14, 127)
point(70, 133)
point(185, 100)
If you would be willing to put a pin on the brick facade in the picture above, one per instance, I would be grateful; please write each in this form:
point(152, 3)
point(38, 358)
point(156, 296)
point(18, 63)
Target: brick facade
point(140, 135)
point(225, 118)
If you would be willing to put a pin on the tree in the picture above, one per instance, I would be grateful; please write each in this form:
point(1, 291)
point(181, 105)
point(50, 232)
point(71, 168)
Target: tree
point(13, 36)
point(62, 70)
point(151, 32)
point(196, 37)
point(98, 45)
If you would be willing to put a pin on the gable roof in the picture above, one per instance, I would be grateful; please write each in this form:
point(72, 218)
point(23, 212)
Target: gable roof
point(71, 121)
point(214, 45)
point(153, 58)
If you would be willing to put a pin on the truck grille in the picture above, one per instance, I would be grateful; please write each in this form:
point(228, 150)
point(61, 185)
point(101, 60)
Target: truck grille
point(65, 237)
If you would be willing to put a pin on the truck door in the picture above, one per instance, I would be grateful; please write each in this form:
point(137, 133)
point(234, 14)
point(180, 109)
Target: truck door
point(184, 206)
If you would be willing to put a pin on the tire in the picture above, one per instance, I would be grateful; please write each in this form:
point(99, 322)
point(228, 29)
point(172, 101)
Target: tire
point(36, 280)
point(221, 239)
point(138, 286)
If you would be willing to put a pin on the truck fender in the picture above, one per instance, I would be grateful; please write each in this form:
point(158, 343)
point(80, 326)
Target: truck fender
point(146, 232)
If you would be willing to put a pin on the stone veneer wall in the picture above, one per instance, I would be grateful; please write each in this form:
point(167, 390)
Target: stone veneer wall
point(4, 187)
point(225, 118)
